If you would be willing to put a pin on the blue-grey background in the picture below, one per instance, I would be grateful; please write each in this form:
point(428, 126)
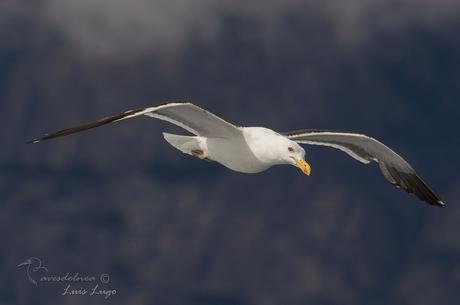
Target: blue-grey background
point(171, 229)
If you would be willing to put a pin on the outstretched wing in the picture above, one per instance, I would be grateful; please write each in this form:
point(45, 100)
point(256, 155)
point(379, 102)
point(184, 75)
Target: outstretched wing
point(184, 114)
point(366, 149)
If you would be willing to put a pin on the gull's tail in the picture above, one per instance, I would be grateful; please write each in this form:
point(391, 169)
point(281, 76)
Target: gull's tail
point(186, 144)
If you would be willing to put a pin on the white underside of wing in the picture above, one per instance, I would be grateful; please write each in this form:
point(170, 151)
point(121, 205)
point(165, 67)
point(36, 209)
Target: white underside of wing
point(371, 149)
point(190, 117)
point(186, 115)
point(150, 112)
point(173, 121)
point(365, 149)
point(342, 148)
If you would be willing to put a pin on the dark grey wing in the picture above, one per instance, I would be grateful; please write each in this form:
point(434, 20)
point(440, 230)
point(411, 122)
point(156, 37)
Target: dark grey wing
point(183, 114)
point(366, 149)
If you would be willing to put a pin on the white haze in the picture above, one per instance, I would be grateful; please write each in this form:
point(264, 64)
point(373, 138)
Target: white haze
point(114, 27)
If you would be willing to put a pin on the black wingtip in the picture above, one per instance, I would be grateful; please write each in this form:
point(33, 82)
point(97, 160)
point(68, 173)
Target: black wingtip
point(441, 204)
point(411, 183)
point(34, 141)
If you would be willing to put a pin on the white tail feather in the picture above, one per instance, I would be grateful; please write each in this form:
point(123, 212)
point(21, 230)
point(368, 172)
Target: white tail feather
point(183, 143)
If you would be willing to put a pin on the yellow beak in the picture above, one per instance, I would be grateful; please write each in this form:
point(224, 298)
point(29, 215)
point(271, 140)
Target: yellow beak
point(304, 166)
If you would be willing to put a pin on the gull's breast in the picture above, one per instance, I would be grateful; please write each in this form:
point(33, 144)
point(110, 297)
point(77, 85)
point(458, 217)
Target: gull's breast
point(235, 154)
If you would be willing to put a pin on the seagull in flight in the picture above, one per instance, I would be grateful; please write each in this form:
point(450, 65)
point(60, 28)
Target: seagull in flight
point(255, 149)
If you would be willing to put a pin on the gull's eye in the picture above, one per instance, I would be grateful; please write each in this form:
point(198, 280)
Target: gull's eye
point(291, 149)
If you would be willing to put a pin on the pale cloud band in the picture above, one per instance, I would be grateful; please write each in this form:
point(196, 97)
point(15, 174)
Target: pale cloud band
point(113, 27)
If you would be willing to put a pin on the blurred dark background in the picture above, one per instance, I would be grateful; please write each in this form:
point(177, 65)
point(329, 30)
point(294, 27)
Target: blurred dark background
point(171, 229)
